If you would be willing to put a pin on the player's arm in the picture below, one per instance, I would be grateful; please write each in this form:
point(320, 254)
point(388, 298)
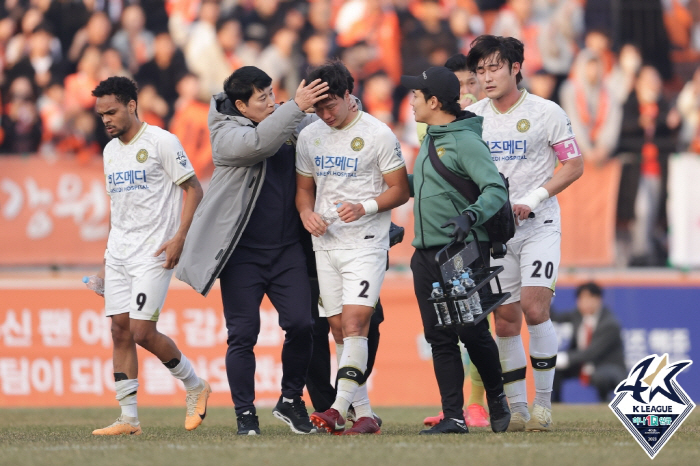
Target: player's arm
point(173, 247)
point(572, 168)
point(397, 194)
point(305, 200)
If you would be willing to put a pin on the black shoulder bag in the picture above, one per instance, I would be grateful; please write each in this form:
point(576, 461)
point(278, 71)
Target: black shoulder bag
point(500, 227)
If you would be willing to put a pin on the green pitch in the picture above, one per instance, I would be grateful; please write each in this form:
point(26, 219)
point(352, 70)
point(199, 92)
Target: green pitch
point(585, 435)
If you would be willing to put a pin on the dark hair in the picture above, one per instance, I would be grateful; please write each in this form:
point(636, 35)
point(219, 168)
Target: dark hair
point(457, 63)
point(509, 50)
point(336, 75)
point(244, 81)
point(592, 287)
point(123, 88)
point(453, 108)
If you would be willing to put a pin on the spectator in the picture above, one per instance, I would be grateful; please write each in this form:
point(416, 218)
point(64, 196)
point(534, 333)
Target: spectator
point(51, 106)
point(18, 46)
point(596, 354)
point(96, 33)
point(165, 69)
point(262, 21)
point(81, 140)
point(79, 85)
point(112, 64)
point(153, 109)
point(317, 49)
point(689, 106)
point(133, 41)
point(515, 20)
point(189, 124)
point(647, 138)
point(21, 125)
point(624, 74)
point(543, 84)
point(280, 61)
point(377, 97)
point(39, 65)
point(594, 112)
point(67, 16)
point(430, 34)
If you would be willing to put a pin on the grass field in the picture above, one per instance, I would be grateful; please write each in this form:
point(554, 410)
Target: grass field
point(585, 435)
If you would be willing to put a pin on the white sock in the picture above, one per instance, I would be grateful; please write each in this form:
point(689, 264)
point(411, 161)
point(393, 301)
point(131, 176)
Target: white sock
point(354, 359)
point(513, 365)
point(543, 354)
point(185, 372)
point(126, 395)
point(361, 402)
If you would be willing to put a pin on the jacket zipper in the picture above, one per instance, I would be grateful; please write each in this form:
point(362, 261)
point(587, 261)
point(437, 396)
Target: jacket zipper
point(233, 242)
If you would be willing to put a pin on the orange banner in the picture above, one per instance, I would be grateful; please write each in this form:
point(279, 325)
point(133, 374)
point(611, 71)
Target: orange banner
point(55, 348)
point(52, 211)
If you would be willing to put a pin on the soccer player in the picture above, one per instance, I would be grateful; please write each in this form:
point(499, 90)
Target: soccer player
point(146, 171)
point(526, 135)
point(352, 158)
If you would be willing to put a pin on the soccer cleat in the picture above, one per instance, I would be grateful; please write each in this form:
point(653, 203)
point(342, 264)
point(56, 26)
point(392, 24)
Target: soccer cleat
point(351, 416)
point(294, 414)
point(124, 425)
point(197, 405)
point(329, 421)
point(447, 426)
point(433, 420)
point(540, 420)
point(476, 416)
point(499, 412)
point(364, 425)
point(517, 423)
point(248, 424)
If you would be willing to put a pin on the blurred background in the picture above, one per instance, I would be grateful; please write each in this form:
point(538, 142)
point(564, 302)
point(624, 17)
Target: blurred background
point(626, 72)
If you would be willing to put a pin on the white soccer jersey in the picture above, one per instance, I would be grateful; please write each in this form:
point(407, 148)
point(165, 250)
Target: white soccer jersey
point(348, 165)
point(146, 202)
point(521, 143)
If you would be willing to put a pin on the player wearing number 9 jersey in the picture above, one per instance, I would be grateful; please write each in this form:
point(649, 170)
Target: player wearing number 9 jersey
point(146, 172)
point(526, 136)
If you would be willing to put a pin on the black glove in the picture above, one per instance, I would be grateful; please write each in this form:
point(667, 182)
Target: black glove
point(395, 234)
point(462, 225)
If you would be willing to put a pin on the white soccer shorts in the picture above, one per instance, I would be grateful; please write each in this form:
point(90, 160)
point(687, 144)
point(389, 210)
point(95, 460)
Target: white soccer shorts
point(139, 289)
point(349, 276)
point(533, 261)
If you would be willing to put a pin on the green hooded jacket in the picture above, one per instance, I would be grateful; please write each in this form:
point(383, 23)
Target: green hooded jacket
point(463, 152)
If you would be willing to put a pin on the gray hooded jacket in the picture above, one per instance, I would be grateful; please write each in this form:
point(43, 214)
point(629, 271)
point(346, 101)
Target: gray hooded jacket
point(239, 150)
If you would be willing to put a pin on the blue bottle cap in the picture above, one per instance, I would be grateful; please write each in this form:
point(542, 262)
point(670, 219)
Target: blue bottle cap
point(456, 282)
point(436, 285)
point(86, 279)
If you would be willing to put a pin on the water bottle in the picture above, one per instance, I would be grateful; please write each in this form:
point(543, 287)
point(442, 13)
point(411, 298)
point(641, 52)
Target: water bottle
point(441, 309)
point(95, 283)
point(331, 215)
point(461, 304)
point(474, 301)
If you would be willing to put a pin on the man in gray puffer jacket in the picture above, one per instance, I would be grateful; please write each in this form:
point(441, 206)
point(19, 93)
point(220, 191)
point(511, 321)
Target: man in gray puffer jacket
point(246, 232)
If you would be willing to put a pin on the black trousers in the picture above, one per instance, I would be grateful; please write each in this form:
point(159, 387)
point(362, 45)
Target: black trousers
point(447, 359)
point(318, 378)
point(281, 274)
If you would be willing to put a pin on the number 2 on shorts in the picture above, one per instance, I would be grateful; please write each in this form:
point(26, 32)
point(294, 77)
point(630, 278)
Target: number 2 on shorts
point(365, 285)
point(141, 300)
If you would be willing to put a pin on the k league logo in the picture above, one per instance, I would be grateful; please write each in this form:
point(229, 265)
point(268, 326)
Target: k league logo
point(651, 404)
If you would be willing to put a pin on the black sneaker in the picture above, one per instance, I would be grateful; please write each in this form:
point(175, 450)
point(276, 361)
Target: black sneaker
point(248, 424)
point(294, 414)
point(447, 426)
point(499, 412)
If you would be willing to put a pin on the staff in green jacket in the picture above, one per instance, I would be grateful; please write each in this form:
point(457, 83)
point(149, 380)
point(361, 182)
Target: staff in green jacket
point(437, 205)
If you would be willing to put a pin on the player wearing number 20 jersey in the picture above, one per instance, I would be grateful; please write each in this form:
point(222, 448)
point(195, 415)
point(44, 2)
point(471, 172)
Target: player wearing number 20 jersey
point(526, 136)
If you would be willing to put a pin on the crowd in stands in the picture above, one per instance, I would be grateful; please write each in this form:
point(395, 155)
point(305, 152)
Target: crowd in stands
point(624, 71)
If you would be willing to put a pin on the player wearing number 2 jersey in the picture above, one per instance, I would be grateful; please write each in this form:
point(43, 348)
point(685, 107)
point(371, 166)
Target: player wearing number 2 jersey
point(146, 171)
point(526, 136)
point(351, 158)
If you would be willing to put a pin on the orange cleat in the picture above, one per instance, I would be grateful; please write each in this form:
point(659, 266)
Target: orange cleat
point(197, 405)
point(476, 416)
point(124, 425)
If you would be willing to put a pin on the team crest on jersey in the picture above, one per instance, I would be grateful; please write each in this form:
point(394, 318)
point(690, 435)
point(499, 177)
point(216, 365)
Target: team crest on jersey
point(651, 404)
point(357, 144)
point(288, 142)
point(523, 125)
point(440, 151)
point(142, 155)
point(397, 150)
point(317, 142)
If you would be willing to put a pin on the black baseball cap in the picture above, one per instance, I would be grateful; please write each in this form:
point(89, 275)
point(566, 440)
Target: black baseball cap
point(438, 80)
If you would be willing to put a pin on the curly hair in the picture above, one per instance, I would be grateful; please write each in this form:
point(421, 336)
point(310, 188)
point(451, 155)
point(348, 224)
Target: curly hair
point(122, 88)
